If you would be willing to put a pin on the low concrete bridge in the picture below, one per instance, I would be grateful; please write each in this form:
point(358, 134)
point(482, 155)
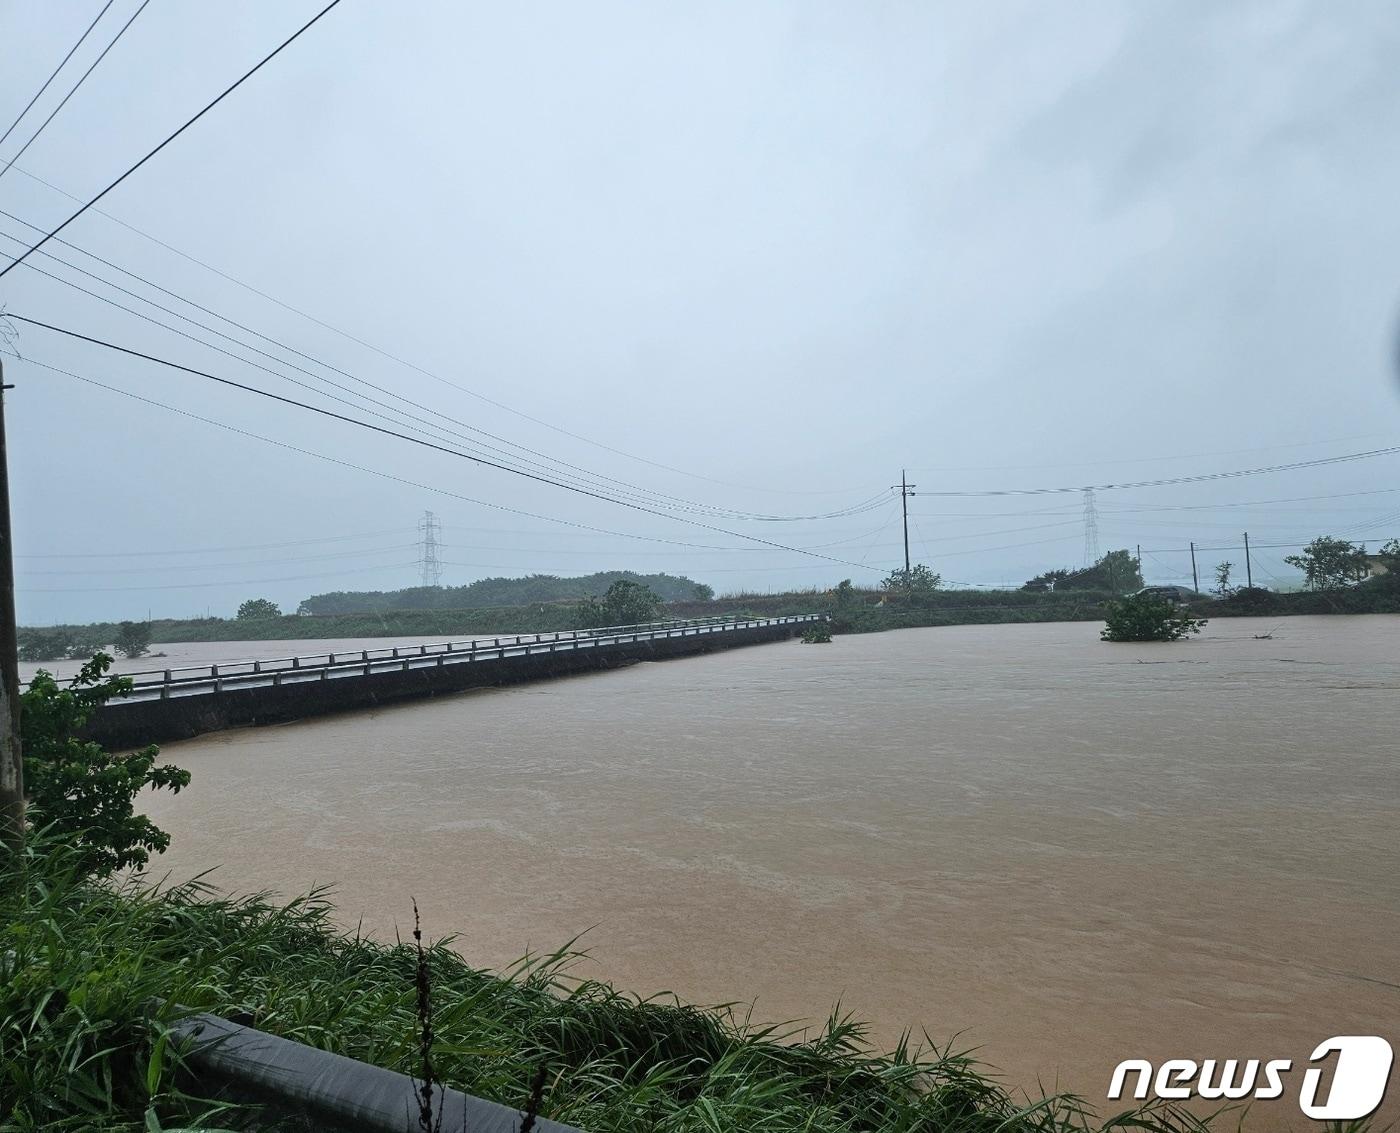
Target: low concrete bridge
point(174, 704)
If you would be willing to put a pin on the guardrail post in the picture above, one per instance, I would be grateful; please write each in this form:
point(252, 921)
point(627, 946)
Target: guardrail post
point(213, 670)
point(296, 662)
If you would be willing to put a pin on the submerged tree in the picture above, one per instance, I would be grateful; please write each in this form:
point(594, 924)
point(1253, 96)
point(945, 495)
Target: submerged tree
point(1147, 617)
point(133, 639)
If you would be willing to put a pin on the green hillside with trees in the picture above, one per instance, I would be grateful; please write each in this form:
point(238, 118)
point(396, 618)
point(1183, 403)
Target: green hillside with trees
point(487, 592)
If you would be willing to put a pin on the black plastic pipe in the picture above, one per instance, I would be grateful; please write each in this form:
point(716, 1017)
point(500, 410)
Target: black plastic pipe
point(331, 1088)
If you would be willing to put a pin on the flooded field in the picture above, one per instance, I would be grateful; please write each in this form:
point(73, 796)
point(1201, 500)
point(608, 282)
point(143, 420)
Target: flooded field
point(1061, 852)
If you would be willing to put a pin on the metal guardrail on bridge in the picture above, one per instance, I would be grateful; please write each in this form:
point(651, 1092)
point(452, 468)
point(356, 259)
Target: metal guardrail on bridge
point(162, 684)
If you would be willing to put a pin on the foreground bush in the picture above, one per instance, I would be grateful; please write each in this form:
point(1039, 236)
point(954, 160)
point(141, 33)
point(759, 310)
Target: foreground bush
point(79, 1050)
point(1145, 617)
point(81, 791)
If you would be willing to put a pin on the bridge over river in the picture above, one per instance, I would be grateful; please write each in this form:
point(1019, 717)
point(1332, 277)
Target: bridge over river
point(171, 704)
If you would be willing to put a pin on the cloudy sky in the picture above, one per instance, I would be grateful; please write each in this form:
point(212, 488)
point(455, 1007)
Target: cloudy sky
point(716, 261)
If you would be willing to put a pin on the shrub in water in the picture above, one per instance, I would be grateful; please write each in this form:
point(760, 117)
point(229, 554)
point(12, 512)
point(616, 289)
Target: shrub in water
point(1145, 617)
point(817, 634)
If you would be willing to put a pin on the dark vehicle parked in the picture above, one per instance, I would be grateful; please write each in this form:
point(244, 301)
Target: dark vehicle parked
point(1178, 594)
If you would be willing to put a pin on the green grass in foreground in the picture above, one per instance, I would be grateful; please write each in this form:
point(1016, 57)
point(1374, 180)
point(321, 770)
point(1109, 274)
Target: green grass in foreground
point(83, 959)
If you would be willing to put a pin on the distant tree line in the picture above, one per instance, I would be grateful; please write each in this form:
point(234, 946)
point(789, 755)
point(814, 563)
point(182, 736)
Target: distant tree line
point(61, 643)
point(488, 592)
point(1117, 572)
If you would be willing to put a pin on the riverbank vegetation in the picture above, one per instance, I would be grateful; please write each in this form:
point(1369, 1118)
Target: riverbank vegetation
point(84, 1046)
point(901, 602)
point(96, 965)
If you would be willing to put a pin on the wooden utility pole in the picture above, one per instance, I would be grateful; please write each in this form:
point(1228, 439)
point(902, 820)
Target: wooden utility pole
point(903, 488)
point(1195, 582)
point(11, 764)
point(1248, 571)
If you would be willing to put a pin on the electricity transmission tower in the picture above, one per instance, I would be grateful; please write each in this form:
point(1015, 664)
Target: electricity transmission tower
point(1091, 528)
point(428, 562)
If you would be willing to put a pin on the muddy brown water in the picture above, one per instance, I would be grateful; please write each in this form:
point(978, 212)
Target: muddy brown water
point(1061, 852)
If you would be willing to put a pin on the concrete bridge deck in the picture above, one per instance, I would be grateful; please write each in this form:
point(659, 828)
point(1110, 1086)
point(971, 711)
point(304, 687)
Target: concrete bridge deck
point(172, 704)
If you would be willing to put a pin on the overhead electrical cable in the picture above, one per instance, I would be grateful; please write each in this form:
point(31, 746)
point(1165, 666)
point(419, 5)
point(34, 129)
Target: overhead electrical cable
point(416, 484)
point(214, 550)
point(170, 138)
point(1175, 480)
point(1147, 459)
point(62, 63)
point(74, 90)
point(633, 491)
point(387, 354)
point(225, 566)
point(204, 585)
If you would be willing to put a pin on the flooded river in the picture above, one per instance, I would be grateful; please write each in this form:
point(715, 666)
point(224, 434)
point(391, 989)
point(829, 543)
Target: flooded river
point(1062, 852)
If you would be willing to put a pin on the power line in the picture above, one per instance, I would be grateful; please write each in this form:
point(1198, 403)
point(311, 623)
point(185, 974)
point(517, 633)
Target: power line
point(1176, 480)
point(1147, 459)
point(379, 350)
point(435, 488)
point(39, 94)
point(226, 566)
point(411, 439)
point(211, 550)
point(189, 122)
point(82, 79)
point(208, 585)
point(636, 491)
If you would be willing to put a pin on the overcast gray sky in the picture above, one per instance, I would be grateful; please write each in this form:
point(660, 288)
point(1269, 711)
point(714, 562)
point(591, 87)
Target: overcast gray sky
point(782, 249)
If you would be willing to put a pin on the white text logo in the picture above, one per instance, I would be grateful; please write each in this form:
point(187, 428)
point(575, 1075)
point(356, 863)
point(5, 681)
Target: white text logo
point(1360, 1070)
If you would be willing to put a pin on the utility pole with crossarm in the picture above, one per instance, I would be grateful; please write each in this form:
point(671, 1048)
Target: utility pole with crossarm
point(905, 490)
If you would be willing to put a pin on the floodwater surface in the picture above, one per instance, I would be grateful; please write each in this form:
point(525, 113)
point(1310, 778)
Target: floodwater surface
point(1015, 837)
